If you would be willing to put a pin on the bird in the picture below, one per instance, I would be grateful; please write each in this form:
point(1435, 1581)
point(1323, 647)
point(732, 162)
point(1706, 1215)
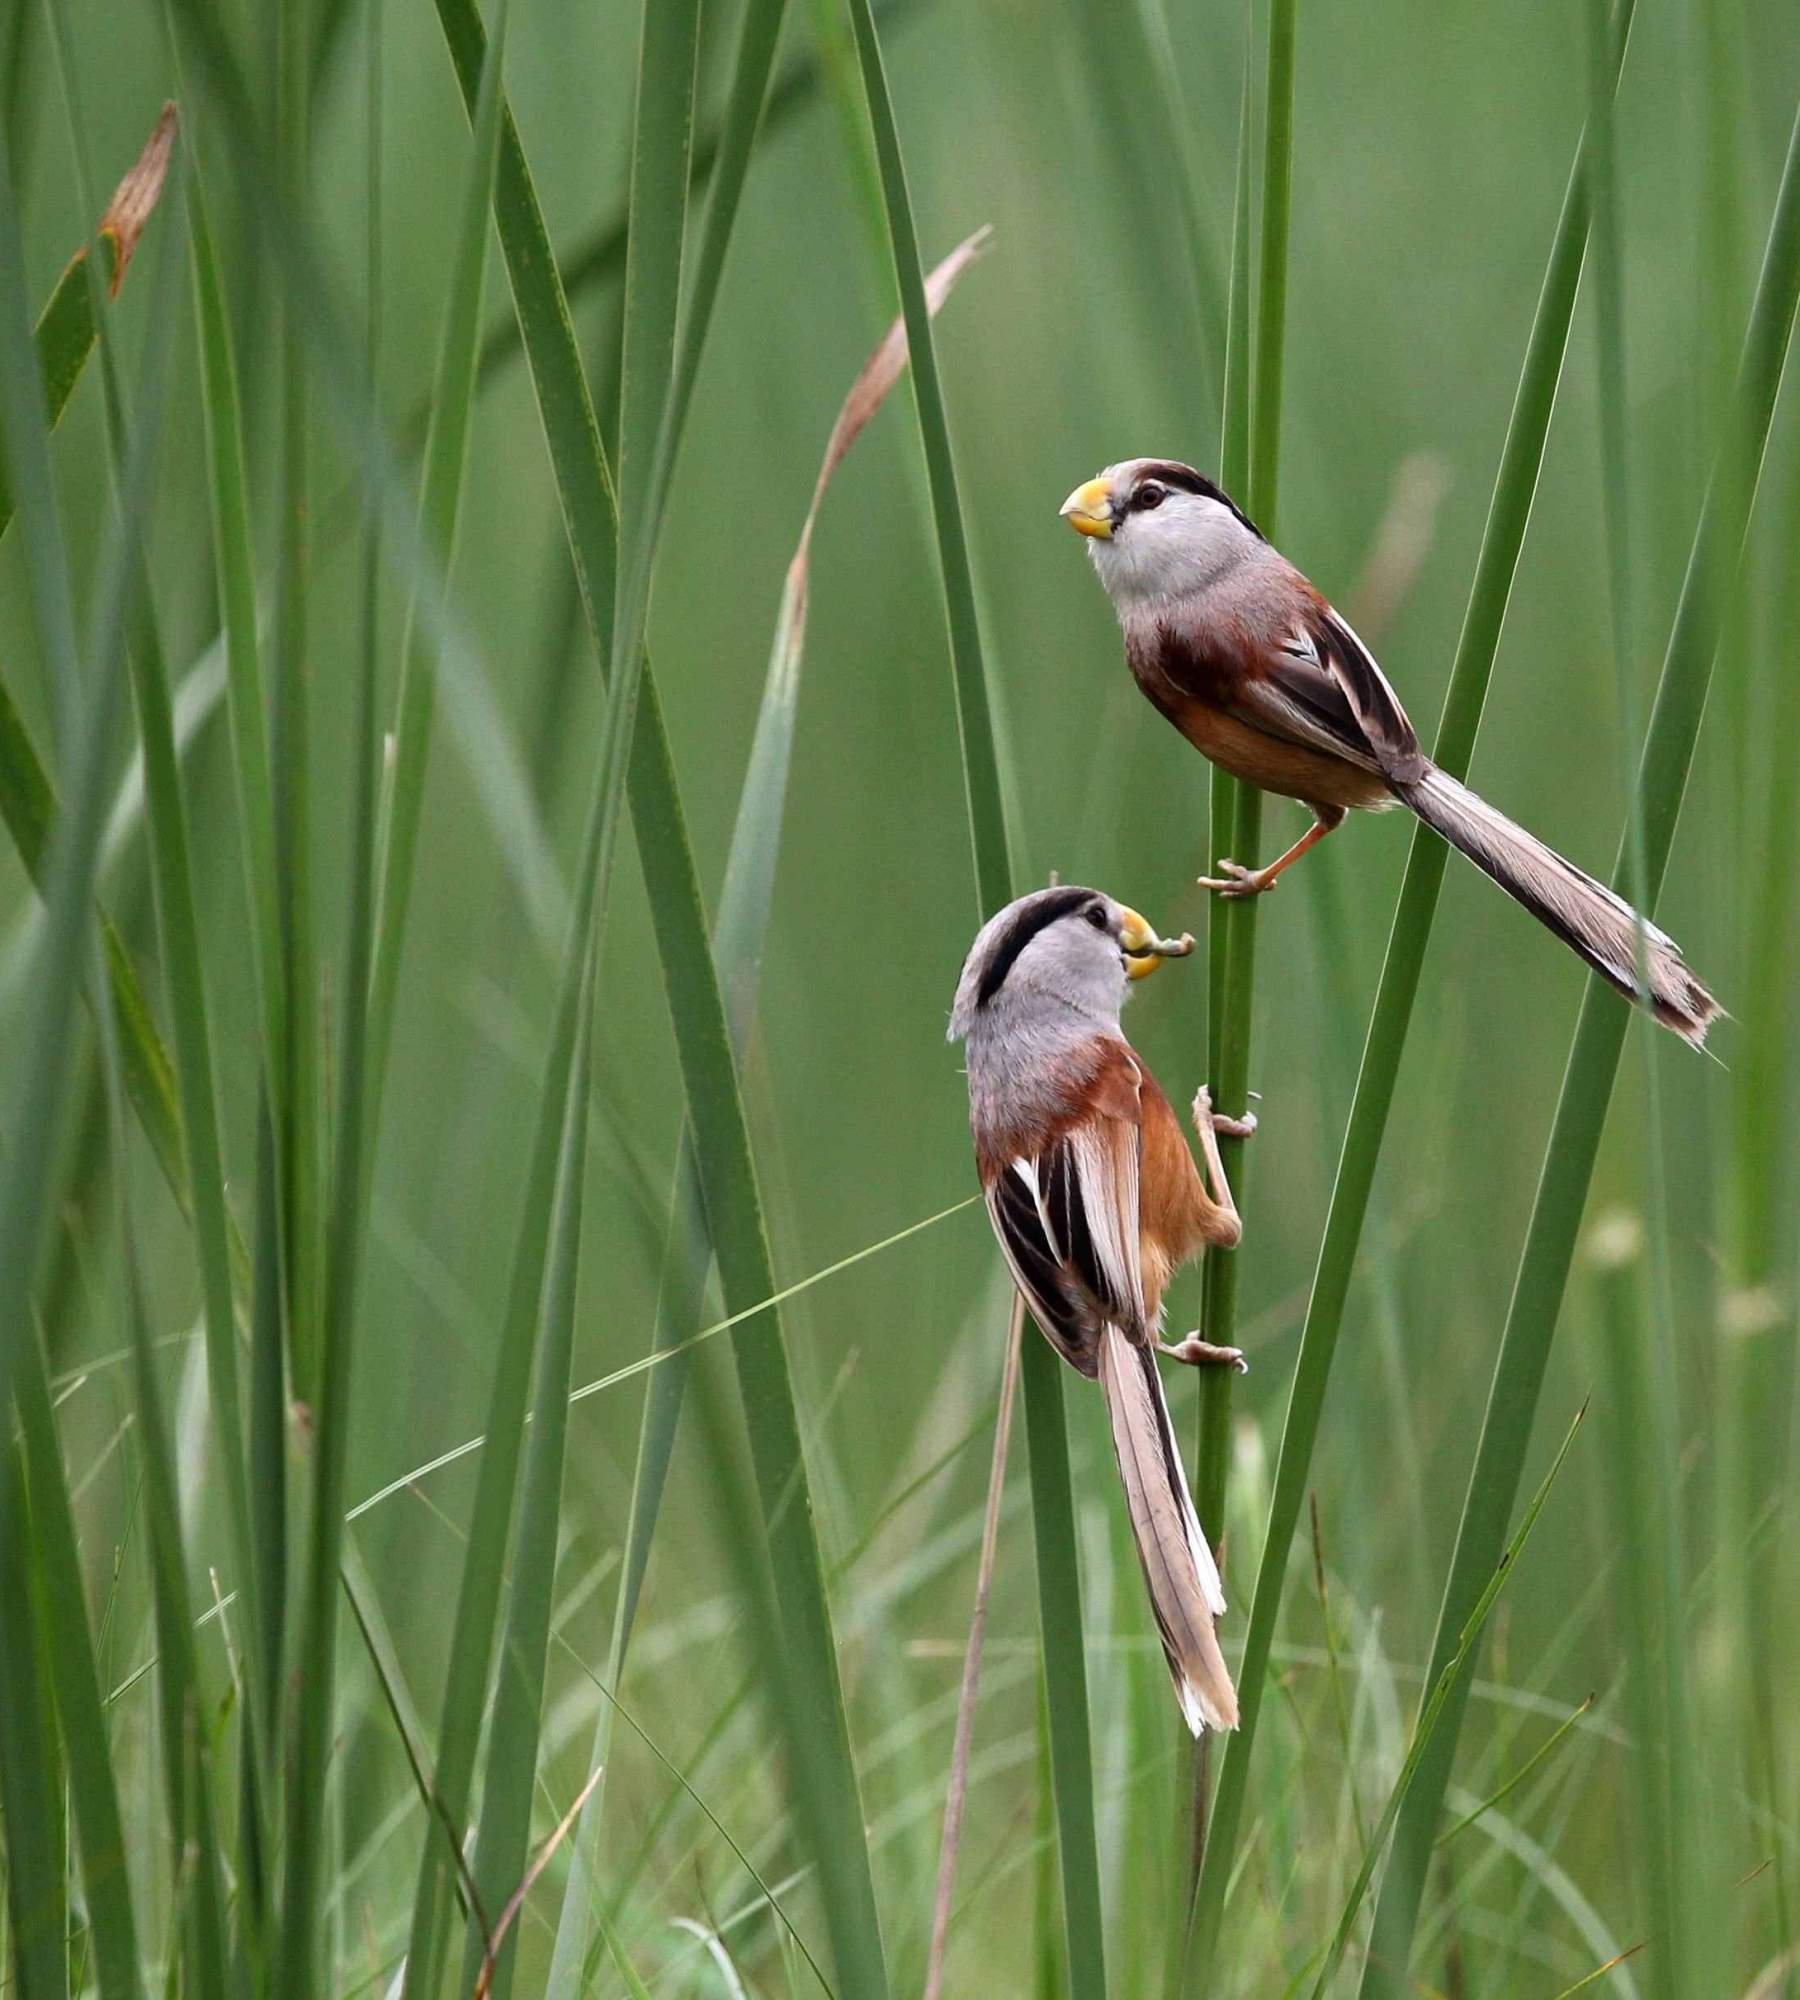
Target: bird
point(1265, 677)
point(1096, 1201)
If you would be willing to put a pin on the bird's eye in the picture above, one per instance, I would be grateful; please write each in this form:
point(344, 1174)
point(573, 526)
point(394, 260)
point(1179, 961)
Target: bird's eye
point(1097, 917)
point(1147, 496)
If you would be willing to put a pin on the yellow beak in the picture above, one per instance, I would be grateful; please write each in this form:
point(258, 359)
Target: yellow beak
point(1144, 950)
point(1088, 510)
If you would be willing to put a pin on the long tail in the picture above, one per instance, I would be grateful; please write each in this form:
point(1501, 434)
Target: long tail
point(1585, 914)
point(1178, 1566)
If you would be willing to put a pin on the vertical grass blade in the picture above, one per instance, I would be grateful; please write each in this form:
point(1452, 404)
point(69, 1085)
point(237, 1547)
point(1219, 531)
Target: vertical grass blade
point(302, 1943)
point(565, 410)
point(178, 927)
point(1137, 90)
point(30, 1781)
point(33, 1123)
point(185, 1744)
point(1251, 428)
point(1272, 268)
point(504, 1830)
point(1432, 1713)
point(1234, 466)
point(659, 178)
point(370, 1621)
point(26, 415)
point(478, 1589)
point(956, 1797)
point(440, 504)
point(662, 136)
point(1758, 1376)
point(1059, 1579)
point(1233, 924)
point(702, 1039)
point(1674, 1864)
point(598, 258)
point(738, 939)
point(1065, 1669)
point(569, 427)
point(268, 1449)
point(298, 1094)
point(178, 936)
point(186, 1750)
point(753, 58)
point(1594, 1059)
point(829, 1794)
point(28, 803)
point(981, 768)
point(35, 1099)
point(1503, 537)
point(234, 557)
point(69, 1647)
point(1614, 1248)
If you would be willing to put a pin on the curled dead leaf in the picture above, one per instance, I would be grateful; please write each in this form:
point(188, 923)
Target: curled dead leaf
point(136, 196)
point(882, 369)
point(867, 394)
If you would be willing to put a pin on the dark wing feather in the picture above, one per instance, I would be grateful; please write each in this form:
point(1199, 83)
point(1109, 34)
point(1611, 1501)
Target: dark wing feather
point(1067, 1220)
point(1383, 722)
point(1321, 687)
point(1037, 1268)
point(1060, 1177)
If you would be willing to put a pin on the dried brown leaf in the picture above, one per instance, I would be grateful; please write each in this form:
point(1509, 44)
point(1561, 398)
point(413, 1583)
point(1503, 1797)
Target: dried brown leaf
point(136, 196)
point(867, 394)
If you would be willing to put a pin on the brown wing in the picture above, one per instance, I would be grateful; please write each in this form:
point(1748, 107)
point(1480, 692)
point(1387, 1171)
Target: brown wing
point(1067, 1216)
point(1321, 687)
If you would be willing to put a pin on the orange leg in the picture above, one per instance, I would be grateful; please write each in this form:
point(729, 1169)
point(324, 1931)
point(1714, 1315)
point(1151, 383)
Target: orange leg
point(1198, 1353)
point(1237, 880)
point(1208, 1124)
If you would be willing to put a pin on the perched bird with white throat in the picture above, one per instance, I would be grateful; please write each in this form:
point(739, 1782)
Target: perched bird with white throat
point(1096, 1201)
point(1263, 676)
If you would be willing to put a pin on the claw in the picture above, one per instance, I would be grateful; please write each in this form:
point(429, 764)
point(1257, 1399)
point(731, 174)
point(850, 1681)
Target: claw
point(1237, 880)
point(1233, 1128)
point(1198, 1353)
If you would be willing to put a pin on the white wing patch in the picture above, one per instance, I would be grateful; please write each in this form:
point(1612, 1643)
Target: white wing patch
point(1067, 1220)
point(1028, 1173)
point(1107, 1176)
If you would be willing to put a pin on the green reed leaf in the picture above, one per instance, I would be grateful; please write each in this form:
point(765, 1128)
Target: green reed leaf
point(1496, 566)
point(1599, 1041)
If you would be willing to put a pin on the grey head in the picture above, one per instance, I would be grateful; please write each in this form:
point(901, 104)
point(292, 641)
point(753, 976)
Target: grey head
point(1044, 977)
point(1057, 953)
point(1158, 531)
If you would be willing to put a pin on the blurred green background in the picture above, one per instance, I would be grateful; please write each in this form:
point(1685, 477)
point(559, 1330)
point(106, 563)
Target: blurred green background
point(1431, 151)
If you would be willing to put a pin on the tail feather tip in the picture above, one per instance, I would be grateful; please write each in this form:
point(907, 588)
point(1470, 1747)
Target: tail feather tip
point(1203, 1710)
point(1690, 1011)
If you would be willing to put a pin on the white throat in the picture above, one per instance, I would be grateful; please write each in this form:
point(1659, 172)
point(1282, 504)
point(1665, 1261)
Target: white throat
point(1183, 547)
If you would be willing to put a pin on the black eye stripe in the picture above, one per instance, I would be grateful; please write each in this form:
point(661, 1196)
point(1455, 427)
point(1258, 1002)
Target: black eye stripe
point(1171, 474)
point(1034, 917)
